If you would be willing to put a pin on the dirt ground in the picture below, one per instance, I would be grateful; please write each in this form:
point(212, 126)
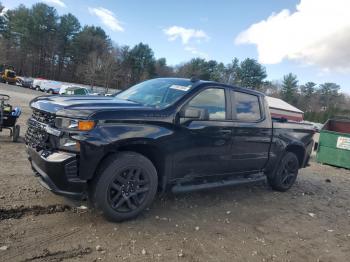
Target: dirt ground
point(311, 222)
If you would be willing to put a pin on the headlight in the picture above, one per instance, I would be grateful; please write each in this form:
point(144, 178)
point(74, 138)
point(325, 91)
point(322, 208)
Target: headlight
point(74, 124)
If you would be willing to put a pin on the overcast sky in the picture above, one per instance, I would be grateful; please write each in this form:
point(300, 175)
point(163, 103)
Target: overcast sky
point(310, 38)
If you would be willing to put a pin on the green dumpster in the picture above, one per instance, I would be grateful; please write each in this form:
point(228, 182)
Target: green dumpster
point(334, 143)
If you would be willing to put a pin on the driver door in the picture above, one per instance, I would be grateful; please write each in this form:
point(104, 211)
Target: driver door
point(203, 146)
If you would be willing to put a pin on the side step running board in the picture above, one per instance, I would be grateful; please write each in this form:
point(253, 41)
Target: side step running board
point(180, 188)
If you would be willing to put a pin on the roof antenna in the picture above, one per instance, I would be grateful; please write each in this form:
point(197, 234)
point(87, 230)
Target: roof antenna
point(194, 78)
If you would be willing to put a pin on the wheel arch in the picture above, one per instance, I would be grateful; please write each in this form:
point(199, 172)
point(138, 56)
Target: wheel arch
point(298, 150)
point(148, 150)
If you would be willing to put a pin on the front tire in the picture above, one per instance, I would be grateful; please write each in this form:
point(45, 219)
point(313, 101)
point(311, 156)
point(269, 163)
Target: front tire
point(285, 174)
point(126, 184)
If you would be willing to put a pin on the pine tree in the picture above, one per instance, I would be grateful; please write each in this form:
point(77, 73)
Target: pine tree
point(289, 88)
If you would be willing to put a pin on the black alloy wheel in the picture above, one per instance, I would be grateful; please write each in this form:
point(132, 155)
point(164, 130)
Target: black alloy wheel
point(286, 173)
point(128, 190)
point(125, 185)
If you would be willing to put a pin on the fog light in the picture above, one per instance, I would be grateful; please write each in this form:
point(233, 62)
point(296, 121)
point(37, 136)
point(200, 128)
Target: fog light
point(69, 144)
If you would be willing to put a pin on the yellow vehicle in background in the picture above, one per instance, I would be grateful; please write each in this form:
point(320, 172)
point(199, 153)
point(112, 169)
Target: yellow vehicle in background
point(8, 74)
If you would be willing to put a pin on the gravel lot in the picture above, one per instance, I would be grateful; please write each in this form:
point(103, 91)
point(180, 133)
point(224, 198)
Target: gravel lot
point(311, 222)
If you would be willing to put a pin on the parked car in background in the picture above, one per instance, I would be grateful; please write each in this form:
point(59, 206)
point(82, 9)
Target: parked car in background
point(317, 126)
point(64, 87)
point(23, 81)
point(76, 90)
point(37, 82)
point(51, 87)
point(116, 91)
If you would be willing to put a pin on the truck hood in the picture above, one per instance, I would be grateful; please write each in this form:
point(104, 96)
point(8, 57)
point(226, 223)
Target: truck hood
point(81, 106)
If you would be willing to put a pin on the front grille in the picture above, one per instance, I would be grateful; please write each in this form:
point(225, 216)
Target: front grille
point(43, 117)
point(36, 135)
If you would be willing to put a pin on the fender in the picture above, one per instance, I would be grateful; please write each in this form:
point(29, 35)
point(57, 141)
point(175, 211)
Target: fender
point(114, 137)
point(285, 140)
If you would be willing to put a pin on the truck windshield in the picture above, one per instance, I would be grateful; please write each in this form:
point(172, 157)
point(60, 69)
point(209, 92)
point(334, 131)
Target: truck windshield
point(158, 93)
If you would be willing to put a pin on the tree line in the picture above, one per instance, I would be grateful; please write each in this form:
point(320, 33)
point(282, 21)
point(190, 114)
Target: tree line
point(40, 43)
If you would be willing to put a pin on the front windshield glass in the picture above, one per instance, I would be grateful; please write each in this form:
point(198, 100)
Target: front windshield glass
point(158, 93)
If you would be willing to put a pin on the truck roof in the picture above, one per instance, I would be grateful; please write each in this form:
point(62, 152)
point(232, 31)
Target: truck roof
point(198, 82)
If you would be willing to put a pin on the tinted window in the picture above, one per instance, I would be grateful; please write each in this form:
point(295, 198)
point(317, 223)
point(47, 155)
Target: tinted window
point(212, 99)
point(247, 107)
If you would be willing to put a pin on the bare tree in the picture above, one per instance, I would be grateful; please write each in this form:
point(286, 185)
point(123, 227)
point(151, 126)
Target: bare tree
point(90, 70)
point(109, 67)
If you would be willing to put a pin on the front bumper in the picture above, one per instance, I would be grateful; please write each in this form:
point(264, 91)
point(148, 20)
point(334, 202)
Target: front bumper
point(58, 172)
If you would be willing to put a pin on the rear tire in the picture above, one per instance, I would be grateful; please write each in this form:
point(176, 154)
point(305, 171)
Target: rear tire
point(126, 184)
point(16, 132)
point(285, 174)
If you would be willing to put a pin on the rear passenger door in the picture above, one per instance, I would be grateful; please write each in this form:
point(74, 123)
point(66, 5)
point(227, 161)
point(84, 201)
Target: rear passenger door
point(251, 132)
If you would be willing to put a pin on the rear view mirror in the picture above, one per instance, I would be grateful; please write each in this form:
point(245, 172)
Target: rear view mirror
point(192, 113)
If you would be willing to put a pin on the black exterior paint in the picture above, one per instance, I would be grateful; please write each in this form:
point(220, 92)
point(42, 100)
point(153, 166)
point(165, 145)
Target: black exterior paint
point(184, 150)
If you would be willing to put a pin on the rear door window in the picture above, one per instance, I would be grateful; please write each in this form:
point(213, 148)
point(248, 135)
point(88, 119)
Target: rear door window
point(246, 107)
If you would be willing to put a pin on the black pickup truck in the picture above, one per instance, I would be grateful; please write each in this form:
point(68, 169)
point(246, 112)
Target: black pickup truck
point(162, 134)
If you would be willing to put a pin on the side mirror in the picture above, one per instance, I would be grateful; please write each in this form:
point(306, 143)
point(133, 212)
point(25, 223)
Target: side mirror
point(192, 113)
